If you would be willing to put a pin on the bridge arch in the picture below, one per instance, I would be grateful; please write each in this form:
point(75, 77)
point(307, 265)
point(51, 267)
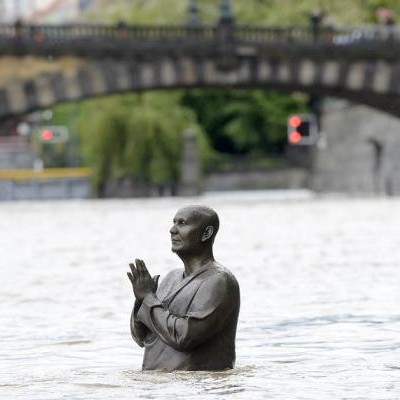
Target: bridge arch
point(372, 82)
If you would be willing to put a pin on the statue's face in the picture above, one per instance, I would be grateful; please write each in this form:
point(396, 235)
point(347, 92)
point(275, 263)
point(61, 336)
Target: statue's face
point(186, 231)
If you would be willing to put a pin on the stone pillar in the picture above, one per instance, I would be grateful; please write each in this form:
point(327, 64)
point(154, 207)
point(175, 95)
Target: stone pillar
point(190, 184)
point(225, 35)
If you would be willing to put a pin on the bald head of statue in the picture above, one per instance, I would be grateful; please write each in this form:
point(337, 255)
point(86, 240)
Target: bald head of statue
point(194, 229)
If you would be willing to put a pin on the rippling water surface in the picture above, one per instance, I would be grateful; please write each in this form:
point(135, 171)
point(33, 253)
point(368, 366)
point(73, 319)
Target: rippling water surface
point(320, 285)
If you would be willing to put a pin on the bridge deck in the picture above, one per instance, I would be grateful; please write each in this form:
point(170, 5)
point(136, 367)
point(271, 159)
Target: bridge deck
point(120, 41)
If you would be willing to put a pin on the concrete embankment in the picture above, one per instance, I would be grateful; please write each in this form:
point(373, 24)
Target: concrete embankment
point(285, 178)
point(62, 183)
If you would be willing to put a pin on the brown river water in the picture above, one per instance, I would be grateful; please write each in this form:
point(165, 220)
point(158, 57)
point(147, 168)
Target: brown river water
point(320, 286)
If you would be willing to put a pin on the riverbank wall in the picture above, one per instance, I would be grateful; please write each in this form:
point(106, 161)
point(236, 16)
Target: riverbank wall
point(48, 184)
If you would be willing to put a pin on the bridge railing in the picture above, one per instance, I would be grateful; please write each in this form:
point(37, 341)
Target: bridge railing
point(82, 31)
point(272, 34)
point(79, 33)
point(340, 36)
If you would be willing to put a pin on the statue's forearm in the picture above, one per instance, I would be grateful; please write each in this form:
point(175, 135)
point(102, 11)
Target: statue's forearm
point(180, 332)
point(139, 331)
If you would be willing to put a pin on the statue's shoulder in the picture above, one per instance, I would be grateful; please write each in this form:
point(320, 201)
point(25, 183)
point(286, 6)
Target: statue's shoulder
point(224, 272)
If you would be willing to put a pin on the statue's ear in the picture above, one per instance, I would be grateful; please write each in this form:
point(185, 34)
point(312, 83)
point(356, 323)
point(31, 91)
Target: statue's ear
point(208, 232)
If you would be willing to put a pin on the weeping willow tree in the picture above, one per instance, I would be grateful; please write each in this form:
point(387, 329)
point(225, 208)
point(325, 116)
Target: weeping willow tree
point(138, 137)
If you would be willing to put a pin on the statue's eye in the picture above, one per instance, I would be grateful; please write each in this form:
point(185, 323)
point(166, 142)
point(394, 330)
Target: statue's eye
point(182, 222)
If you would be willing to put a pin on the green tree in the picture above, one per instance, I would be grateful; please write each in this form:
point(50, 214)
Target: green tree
point(138, 136)
point(262, 12)
point(247, 121)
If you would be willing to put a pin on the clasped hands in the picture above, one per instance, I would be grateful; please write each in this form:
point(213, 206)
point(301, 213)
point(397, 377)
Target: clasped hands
point(142, 282)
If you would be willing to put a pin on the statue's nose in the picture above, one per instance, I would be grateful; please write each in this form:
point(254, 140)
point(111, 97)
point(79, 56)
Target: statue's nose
point(173, 230)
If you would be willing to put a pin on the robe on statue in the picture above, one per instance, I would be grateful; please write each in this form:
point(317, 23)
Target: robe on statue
point(190, 323)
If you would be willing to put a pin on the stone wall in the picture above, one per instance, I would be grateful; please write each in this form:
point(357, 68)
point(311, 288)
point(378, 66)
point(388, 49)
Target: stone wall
point(45, 189)
point(285, 178)
point(359, 151)
point(16, 157)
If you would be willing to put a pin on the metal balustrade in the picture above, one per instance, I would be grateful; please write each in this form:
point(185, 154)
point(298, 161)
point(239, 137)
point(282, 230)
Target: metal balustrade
point(70, 32)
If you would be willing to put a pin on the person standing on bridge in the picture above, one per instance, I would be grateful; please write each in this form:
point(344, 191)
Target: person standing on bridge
point(189, 321)
point(316, 17)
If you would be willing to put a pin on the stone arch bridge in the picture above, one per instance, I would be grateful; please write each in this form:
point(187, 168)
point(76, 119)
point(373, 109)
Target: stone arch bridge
point(49, 65)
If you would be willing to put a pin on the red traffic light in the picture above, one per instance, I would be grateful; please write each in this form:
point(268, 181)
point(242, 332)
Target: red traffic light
point(302, 129)
point(53, 134)
point(47, 135)
point(295, 137)
point(295, 121)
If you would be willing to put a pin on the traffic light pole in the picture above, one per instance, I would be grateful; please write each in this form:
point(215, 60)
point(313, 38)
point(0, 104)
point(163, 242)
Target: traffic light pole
point(315, 104)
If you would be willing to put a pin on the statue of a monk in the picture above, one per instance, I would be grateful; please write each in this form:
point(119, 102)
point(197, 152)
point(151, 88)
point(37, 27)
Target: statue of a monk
point(188, 322)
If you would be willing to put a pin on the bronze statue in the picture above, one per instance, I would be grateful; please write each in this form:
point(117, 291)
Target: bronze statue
point(188, 322)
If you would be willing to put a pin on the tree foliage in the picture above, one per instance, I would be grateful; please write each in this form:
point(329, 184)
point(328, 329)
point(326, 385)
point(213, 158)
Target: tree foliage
point(247, 121)
point(263, 12)
point(138, 136)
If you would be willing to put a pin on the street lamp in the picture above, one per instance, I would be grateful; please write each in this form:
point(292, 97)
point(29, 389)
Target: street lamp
point(226, 11)
point(193, 13)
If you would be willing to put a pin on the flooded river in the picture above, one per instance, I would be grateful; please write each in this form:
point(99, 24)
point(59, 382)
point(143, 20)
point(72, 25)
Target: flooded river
point(320, 285)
